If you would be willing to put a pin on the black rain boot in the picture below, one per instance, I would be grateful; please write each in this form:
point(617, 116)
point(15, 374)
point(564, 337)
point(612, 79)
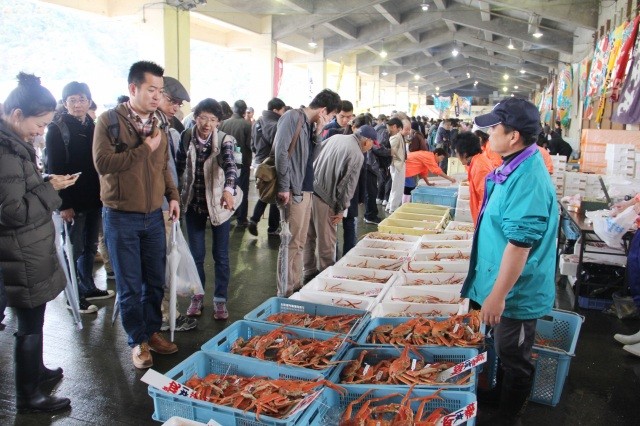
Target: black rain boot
point(47, 375)
point(513, 399)
point(27, 359)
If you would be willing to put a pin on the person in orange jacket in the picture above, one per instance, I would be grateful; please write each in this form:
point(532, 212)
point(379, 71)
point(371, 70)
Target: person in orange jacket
point(494, 158)
point(548, 163)
point(421, 163)
point(478, 165)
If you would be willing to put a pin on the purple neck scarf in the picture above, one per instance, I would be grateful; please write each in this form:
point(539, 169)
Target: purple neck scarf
point(500, 175)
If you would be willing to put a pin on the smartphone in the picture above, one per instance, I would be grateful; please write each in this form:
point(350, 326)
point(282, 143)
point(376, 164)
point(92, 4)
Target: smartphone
point(77, 174)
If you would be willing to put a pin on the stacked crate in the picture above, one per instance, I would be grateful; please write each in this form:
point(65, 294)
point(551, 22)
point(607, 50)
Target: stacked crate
point(463, 211)
point(417, 219)
point(575, 183)
point(559, 168)
point(621, 160)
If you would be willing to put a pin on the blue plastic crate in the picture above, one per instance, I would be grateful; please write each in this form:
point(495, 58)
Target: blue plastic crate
point(435, 195)
point(276, 305)
point(552, 368)
point(451, 401)
point(430, 354)
point(561, 329)
point(594, 303)
point(201, 363)
point(361, 340)
point(247, 329)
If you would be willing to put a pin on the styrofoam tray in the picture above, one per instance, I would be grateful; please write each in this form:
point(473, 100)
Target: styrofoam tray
point(398, 292)
point(445, 255)
point(406, 247)
point(441, 280)
point(456, 235)
point(430, 267)
point(445, 244)
point(371, 263)
point(377, 253)
point(458, 226)
point(340, 287)
point(399, 309)
point(344, 301)
point(343, 272)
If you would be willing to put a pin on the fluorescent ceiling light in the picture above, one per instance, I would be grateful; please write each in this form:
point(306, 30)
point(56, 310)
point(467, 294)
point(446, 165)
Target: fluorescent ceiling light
point(511, 46)
point(312, 44)
point(383, 53)
point(455, 52)
point(523, 71)
point(505, 76)
point(537, 34)
point(424, 6)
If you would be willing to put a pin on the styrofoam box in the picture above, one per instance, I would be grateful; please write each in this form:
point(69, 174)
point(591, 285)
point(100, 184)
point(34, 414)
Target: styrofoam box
point(462, 204)
point(379, 236)
point(455, 236)
point(430, 267)
point(397, 292)
point(594, 179)
point(395, 309)
point(464, 215)
point(344, 301)
point(433, 279)
point(458, 226)
point(181, 421)
point(442, 254)
point(342, 272)
point(340, 287)
point(557, 178)
point(599, 252)
point(399, 246)
point(352, 261)
point(377, 253)
point(568, 264)
point(445, 244)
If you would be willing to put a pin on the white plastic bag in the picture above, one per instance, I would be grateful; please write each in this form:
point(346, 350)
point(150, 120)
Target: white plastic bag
point(612, 229)
point(181, 269)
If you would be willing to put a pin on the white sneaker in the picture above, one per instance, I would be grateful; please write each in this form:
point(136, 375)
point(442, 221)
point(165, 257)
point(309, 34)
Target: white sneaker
point(384, 202)
point(378, 201)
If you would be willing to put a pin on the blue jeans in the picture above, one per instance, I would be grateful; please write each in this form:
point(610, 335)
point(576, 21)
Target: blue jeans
point(138, 250)
point(84, 239)
point(196, 227)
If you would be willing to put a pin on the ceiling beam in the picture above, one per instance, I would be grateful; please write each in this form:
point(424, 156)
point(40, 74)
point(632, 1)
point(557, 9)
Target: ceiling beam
point(517, 30)
point(563, 11)
point(440, 4)
point(284, 25)
point(401, 50)
point(390, 15)
point(510, 63)
point(485, 11)
point(303, 6)
point(412, 36)
point(342, 27)
point(451, 26)
point(470, 37)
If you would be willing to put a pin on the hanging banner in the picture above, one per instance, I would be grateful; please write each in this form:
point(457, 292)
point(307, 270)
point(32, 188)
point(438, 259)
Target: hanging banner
point(596, 74)
point(278, 66)
point(546, 104)
point(617, 38)
point(628, 111)
point(563, 100)
point(413, 109)
point(441, 104)
point(622, 63)
point(584, 76)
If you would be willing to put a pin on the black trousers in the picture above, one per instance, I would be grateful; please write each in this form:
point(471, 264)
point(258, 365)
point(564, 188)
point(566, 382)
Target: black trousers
point(371, 208)
point(30, 320)
point(274, 214)
point(514, 341)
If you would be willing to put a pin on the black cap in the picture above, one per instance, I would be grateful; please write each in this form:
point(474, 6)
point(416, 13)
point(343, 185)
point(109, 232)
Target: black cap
point(520, 114)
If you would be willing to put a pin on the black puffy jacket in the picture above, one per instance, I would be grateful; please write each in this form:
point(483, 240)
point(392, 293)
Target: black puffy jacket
point(28, 261)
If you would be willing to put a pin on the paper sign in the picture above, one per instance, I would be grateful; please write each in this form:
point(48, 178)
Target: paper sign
point(460, 416)
point(304, 402)
point(162, 382)
point(462, 367)
point(213, 423)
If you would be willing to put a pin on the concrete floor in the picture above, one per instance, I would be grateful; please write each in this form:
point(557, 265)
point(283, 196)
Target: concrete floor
point(602, 387)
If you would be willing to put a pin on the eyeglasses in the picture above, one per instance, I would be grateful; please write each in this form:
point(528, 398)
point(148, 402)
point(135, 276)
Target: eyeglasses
point(78, 101)
point(204, 120)
point(173, 101)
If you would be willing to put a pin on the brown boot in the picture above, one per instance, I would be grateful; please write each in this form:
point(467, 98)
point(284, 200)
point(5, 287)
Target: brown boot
point(159, 344)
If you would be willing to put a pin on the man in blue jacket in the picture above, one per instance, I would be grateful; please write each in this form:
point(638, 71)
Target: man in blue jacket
point(512, 270)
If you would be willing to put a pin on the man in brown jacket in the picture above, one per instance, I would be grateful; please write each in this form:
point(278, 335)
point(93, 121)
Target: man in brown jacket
point(130, 153)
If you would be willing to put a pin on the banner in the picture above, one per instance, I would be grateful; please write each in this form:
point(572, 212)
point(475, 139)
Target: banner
point(278, 66)
point(441, 104)
point(628, 111)
point(563, 100)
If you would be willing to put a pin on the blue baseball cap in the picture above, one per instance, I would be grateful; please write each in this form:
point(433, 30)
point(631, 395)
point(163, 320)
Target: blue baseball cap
point(520, 114)
point(369, 133)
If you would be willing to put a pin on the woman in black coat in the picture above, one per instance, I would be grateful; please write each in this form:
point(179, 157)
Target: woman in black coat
point(30, 268)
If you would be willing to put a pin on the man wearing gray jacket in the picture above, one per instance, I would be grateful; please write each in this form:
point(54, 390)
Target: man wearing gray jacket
point(295, 175)
point(336, 173)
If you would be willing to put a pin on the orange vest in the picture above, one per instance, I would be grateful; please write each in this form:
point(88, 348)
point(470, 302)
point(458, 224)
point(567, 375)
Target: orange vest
point(493, 157)
point(547, 159)
point(421, 163)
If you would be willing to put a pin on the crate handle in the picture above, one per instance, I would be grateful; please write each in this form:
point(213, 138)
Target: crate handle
point(177, 376)
point(582, 317)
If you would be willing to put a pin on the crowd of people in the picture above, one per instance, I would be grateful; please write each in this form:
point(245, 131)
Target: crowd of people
point(126, 177)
